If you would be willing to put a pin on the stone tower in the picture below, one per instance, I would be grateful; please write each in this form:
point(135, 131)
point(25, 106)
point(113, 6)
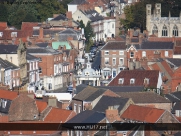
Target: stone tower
point(148, 16)
point(21, 51)
point(158, 10)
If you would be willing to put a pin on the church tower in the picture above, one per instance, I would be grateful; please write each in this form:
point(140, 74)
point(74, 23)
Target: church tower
point(158, 10)
point(21, 51)
point(148, 17)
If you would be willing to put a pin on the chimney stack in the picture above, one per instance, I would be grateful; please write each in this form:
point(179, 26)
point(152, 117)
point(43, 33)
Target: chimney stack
point(112, 114)
point(40, 33)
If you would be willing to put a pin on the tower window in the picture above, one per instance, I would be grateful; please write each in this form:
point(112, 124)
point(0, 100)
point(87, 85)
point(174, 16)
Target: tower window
point(164, 31)
point(175, 30)
point(155, 29)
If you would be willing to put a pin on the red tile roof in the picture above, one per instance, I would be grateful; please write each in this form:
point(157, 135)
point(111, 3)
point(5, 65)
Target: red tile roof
point(28, 25)
point(58, 115)
point(3, 25)
point(41, 105)
point(10, 95)
point(20, 34)
point(142, 114)
point(138, 75)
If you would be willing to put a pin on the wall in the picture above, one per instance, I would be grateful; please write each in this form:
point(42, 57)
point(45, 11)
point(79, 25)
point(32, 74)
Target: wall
point(9, 56)
point(72, 8)
point(165, 106)
point(167, 117)
point(78, 15)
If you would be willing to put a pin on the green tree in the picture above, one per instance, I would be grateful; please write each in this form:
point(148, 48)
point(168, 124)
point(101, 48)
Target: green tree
point(20, 12)
point(47, 8)
point(64, 3)
point(3, 13)
point(89, 34)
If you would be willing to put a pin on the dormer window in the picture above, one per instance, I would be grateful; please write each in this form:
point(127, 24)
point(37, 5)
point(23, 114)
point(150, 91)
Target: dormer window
point(13, 34)
point(121, 81)
point(1, 34)
point(132, 81)
point(146, 81)
point(131, 54)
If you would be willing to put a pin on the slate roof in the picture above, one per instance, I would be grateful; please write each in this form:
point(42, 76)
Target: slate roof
point(138, 75)
point(174, 61)
point(115, 89)
point(59, 17)
point(106, 101)
point(63, 35)
point(5, 109)
point(115, 45)
point(80, 87)
point(8, 49)
point(134, 39)
point(31, 57)
point(77, 2)
point(146, 97)
point(157, 45)
point(58, 115)
point(142, 113)
point(47, 50)
point(42, 44)
point(177, 106)
point(95, 95)
point(7, 65)
point(87, 116)
point(84, 94)
point(123, 88)
point(46, 32)
point(174, 97)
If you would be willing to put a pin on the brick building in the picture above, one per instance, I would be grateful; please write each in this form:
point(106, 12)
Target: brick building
point(50, 66)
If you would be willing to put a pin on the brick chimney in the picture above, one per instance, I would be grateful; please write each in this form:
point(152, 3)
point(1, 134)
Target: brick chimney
point(52, 101)
point(112, 114)
point(40, 33)
point(69, 14)
point(131, 31)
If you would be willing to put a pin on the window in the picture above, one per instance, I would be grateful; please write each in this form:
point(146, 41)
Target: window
point(121, 61)
point(107, 73)
point(49, 86)
point(1, 34)
point(175, 30)
point(166, 53)
point(106, 52)
point(146, 81)
point(112, 25)
point(121, 52)
point(13, 34)
point(75, 107)
point(131, 54)
point(132, 81)
point(40, 71)
point(121, 81)
point(164, 31)
point(114, 72)
point(114, 61)
point(143, 53)
point(155, 29)
point(106, 60)
point(79, 108)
